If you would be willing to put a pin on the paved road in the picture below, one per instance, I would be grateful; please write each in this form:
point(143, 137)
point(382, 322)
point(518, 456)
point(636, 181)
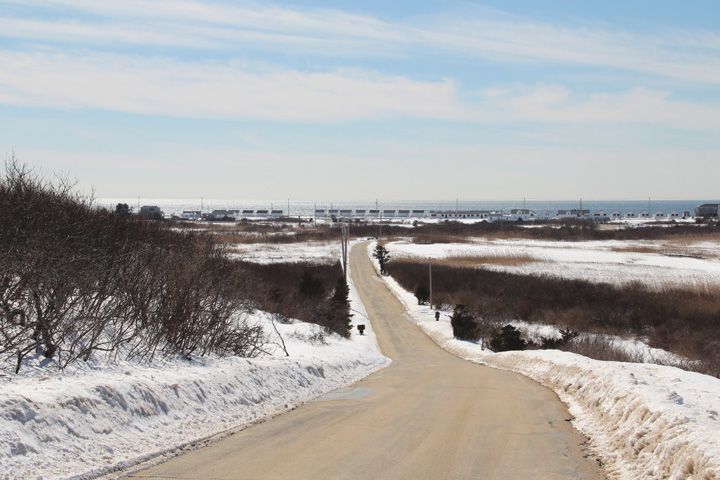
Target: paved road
point(428, 415)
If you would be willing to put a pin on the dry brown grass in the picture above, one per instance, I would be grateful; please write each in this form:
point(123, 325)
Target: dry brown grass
point(479, 260)
point(688, 247)
point(637, 249)
point(505, 261)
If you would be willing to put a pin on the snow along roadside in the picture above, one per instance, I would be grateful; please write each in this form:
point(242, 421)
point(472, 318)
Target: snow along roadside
point(642, 420)
point(99, 418)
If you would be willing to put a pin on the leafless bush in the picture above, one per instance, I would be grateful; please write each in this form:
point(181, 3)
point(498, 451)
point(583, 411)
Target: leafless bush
point(683, 321)
point(300, 290)
point(75, 280)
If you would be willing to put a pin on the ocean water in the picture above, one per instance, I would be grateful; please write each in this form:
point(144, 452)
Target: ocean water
point(175, 206)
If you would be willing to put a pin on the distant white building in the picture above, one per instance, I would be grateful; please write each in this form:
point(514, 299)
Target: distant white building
point(616, 215)
point(191, 215)
point(403, 213)
point(373, 213)
point(360, 213)
point(573, 213)
point(544, 215)
point(521, 214)
point(276, 213)
point(630, 214)
point(660, 215)
point(644, 214)
point(248, 213)
point(388, 213)
point(460, 214)
point(673, 214)
point(418, 213)
point(320, 213)
point(262, 213)
point(222, 214)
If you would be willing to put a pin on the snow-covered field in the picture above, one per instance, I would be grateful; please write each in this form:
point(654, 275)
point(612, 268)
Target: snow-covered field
point(96, 418)
point(656, 264)
point(642, 421)
point(313, 252)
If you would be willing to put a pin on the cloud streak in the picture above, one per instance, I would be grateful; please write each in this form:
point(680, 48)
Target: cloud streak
point(213, 90)
point(685, 55)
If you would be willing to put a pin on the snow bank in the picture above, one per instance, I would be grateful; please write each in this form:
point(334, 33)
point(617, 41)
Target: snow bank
point(97, 418)
point(642, 421)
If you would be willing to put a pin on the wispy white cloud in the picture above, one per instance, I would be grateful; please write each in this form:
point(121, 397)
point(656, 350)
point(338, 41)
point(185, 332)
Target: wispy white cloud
point(691, 55)
point(50, 74)
point(212, 90)
point(558, 104)
point(207, 89)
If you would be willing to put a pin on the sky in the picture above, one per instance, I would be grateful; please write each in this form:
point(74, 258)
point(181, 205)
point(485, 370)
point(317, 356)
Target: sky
point(348, 100)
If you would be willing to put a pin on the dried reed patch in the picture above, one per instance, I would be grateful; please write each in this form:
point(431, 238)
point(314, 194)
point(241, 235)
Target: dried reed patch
point(509, 260)
point(637, 249)
point(695, 248)
point(504, 260)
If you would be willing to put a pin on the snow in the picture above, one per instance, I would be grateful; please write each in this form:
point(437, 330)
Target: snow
point(96, 418)
point(619, 262)
point(641, 420)
point(312, 252)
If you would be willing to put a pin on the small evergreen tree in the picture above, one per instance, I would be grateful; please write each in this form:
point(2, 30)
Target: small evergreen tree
point(310, 285)
point(422, 294)
point(122, 210)
point(382, 256)
point(507, 339)
point(463, 324)
point(341, 291)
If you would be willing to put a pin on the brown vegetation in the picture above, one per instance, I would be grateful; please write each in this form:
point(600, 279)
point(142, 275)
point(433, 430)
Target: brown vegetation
point(75, 280)
point(683, 321)
point(511, 260)
point(299, 290)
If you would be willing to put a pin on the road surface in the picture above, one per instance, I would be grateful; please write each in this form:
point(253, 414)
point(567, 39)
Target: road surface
point(428, 415)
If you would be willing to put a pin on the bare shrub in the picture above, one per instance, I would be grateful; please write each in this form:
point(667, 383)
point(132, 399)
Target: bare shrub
point(600, 347)
point(682, 321)
point(306, 291)
point(75, 280)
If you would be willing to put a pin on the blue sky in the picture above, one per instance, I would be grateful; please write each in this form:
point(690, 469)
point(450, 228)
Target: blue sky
point(321, 100)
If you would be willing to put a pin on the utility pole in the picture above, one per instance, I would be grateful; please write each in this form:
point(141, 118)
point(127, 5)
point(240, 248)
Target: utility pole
point(430, 270)
point(344, 233)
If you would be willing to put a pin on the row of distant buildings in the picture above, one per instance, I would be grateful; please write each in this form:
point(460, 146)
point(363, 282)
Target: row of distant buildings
point(231, 214)
point(488, 215)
